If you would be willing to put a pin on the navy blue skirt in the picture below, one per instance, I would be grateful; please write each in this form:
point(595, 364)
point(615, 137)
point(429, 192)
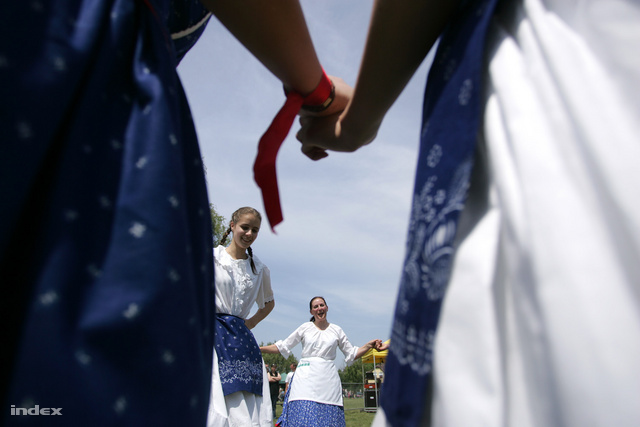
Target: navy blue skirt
point(105, 238)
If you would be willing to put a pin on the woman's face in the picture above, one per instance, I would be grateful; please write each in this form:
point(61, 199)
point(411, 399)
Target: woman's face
point(245, 231)
point(319, 309)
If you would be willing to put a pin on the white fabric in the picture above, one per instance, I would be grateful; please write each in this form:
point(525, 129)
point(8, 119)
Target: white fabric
point(289, 376)
point(541, 322)
point(319, 343)
point(240, 409)
point(237, 288)
point(317, 379)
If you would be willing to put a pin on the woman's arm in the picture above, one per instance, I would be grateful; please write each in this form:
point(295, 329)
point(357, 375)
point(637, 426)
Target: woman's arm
point(276, 33)
point(401, 33)
point(368, 346)
point(263, 312)
point(270, 349)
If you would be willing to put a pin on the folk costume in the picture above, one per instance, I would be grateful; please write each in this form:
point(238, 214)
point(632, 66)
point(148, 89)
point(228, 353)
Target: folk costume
point(314, 397)
point(525, 229)
point(105, 238)
point(240, 385)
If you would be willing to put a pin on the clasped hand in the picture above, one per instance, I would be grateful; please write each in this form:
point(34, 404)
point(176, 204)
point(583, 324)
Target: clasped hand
point(378, 345)
point(333, 129)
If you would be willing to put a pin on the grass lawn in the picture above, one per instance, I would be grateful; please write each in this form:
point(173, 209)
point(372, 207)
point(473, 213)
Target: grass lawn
point(354, 414)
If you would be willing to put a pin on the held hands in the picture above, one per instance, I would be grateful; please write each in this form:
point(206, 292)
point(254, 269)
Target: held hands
point(378, 345)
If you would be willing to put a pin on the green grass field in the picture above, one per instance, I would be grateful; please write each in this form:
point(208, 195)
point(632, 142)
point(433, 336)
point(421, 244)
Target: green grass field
point(354, 414)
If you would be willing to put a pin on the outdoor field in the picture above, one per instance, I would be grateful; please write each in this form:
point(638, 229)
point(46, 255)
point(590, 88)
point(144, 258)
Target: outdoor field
point(353, 413)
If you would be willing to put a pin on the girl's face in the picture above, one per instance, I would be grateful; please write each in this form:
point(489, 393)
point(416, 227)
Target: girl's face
point(319, 309)
point(245, 231)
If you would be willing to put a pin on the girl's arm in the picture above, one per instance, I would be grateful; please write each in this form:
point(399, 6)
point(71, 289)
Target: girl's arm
point(276, 33)
point(270, 349)
point(253, 321)
point(401, 33)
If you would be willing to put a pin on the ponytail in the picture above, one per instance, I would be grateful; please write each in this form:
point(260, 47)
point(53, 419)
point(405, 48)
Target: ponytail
point(223, 240)
point(253, 266)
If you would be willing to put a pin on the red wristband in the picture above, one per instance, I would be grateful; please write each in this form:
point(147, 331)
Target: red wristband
point(264, 168)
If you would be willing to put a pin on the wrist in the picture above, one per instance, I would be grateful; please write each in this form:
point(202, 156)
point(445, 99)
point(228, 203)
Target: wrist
point(357, 128)
point(320, 98)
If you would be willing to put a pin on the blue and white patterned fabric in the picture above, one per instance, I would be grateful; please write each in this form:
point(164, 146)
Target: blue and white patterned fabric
point(450, 123)
point(105, 238)
point(307, 413)
point(240, 363)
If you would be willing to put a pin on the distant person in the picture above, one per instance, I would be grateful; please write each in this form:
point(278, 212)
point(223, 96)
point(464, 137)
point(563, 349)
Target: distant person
point(524, 237)
point(274, 386)
point(240, 393)
point(314, 397)
point(292, 371)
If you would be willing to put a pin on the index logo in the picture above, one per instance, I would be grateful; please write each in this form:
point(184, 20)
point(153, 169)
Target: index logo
point(36, 410)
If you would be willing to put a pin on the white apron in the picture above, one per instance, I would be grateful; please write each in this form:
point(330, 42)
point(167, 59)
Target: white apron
point(316, 379)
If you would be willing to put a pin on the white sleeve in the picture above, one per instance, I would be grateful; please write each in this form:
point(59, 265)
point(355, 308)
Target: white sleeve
point(346, 347)
point(265, 294)
point(285, 346)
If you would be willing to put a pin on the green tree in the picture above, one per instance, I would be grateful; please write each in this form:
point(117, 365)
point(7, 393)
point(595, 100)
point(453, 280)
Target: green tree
point(218, 225)
point(352, 373)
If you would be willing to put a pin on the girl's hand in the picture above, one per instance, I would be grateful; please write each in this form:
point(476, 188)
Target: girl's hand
point(319, 134)
point(382, 346)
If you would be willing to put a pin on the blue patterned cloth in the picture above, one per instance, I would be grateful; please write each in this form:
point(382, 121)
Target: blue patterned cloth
point(307, 413)
point(105, 238)
point(451, 115)
point(240, 363)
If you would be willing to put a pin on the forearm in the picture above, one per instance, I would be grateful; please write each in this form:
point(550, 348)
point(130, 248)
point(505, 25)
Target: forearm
point(253, 321)
point(401, 33)
point(270, 349)
point(362, 350)
point(275, 32)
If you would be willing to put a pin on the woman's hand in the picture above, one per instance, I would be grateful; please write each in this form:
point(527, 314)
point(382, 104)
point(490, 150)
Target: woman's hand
point(382, 346)
point(319, 134)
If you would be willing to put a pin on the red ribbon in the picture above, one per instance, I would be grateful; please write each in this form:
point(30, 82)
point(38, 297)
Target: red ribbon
point(264, 168)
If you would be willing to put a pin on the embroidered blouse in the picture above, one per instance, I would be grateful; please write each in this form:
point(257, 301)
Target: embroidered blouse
point(319, 343)
point(237, 288)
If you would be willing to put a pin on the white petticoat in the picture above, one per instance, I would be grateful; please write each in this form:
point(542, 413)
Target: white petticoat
point(240, 409)
point(541, 322)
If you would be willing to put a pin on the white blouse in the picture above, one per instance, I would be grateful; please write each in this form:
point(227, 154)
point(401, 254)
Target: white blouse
point(237, 288)
point(318, 343)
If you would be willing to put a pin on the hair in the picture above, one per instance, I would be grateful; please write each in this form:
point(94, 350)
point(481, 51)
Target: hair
point(313, 318)
point(235, 217)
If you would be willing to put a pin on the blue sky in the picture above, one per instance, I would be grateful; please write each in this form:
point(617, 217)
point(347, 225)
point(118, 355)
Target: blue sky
point(346, 216)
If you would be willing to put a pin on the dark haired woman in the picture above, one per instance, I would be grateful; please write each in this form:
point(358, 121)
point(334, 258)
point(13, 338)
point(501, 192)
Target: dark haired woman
point(314, 397)
point(239, 387)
